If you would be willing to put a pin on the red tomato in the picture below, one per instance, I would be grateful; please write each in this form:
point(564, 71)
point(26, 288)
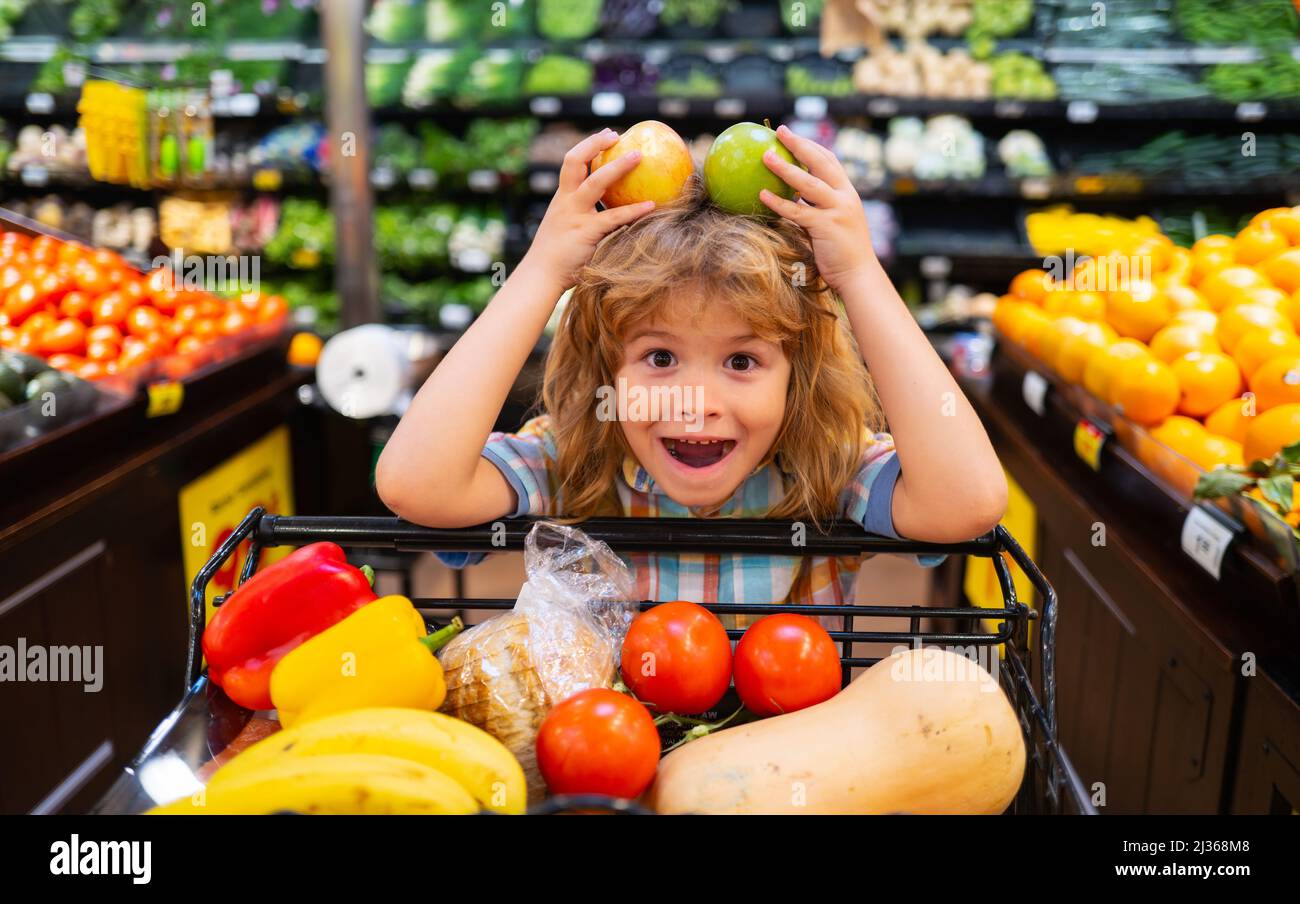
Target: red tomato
point(111, 308)
point(250, 303)
point(8, 336)
point(107, 260)
point(143, 320)
point(89, 278)
point(188, 345)
point(45, 249)
point(160, 341)
point(77, 304)
point(92, 370)
point(65, 362)
point(134, 289)
point(273, 308)
point(105, 332)
point(37, 324)
point(677, 658)
point(66, 336)
point(598, 742)
point(235, 321)
point(71, 252)
point(10, 276)
point(21, 302)
point(204, 329)
point(101, 350)
point(135, 352)
point(786, 662)
point(53, 287)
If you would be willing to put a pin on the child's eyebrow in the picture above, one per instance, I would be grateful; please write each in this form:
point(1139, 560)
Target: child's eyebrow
point(651, 334)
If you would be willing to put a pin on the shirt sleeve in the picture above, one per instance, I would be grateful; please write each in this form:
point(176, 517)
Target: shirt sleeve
point(524, 460)
point(869, 499)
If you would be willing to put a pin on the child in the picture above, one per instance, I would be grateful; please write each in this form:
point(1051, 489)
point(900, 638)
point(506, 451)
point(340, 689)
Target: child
point(733, 326)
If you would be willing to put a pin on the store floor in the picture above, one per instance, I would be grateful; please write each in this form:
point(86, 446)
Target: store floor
point(882, 580)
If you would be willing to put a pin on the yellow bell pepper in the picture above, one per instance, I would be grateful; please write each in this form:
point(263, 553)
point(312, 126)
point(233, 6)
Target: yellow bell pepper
point(380, 655)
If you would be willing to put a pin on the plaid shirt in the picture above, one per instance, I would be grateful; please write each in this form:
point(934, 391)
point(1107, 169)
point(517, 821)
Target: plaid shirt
point(526, 458)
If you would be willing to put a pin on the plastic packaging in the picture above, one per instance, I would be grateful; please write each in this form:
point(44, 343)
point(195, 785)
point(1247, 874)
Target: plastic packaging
point(563, 636)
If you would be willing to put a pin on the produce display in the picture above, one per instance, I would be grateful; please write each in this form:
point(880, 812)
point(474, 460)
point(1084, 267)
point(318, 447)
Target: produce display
point(1198, 346)
point(87, 312)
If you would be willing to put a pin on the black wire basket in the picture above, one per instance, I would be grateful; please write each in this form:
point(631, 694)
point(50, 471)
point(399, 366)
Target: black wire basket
point(1026, 670)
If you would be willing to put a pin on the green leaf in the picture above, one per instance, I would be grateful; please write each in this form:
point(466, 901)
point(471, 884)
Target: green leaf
point(1291, 454)
point(1222, 482)
point(1278, 490)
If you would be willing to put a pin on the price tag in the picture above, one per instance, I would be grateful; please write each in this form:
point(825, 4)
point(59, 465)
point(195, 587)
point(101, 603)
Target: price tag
point(245, 104)
point(455, 316)
point(607, 103)
point(1089, 439)
point(810, 107)
point(1251, 112)
point(1081, 111)
point(484, 180)
point(720, 53)
point(544, 182)
point(935, 266)
point(882, 106)
point(383, 177)
point(657, 55)
point(1009, 109)
point(1206, 539)
point(1035, 189)
point(782, 53)
point(729, 108)
point(422, 178)
point(474, 260)
point(1089, 185)
point(40, 103)
point(1034, 389)
point(164, 398)
point(673, 108)
point(35, 175)
point(74, 73)
point(267, 179)
point(221, 82)
point(544, 106)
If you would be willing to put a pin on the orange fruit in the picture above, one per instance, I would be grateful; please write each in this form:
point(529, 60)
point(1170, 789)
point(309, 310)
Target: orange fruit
point(1138, 311)
point(1051, 338)
point(1285, 220)
point(1179, 433)
point(1255, 243)
point(1158, 249)
point(1283, 269)
point(1238, 320)
point(1206, 380)
point(1257, 346)
point(1031, 323)
point(1222, 287)
point(1211, 451)
point(1032, 285)
point(1177, 339)
point(1270, 431)
point(304, 349)
point(1185, 298)
point(1265, 296)
point(1017, 319)
point(1076, 350)
point(1084, 305)
point(1230, 420)
point(1276, 382)
point(1216, 242)
point(1206, 321)
point(1101, 367)
point(1145, 389)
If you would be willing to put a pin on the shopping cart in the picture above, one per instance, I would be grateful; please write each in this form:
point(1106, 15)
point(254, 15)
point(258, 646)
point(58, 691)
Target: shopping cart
point(1026, 670)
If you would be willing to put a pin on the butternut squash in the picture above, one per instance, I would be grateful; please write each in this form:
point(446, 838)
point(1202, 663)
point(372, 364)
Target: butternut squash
point(923, 731)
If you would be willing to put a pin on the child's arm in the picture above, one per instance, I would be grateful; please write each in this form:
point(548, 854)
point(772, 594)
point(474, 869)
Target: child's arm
point(432, 470)
point(952, 486)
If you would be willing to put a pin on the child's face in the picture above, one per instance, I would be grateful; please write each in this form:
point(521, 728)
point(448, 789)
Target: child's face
point(705, 400)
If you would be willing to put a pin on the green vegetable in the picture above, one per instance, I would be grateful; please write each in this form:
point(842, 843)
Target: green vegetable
point(799, 81)
point(501, 144)
point(494, 78)
point(92, 20)
point(696, 13)
point(1021, 77)
point(396, 148)
point(395, 21)
point(568, 20)
point(384, 83)
point(305, 237)
point(436, 75)
point(999, 18)
point(1258, 22)
point(697, 84)
point(559, 74)
point(1277, 75)
point(454, 20)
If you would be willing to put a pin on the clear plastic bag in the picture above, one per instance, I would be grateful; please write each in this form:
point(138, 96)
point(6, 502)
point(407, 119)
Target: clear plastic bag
point(563, 636)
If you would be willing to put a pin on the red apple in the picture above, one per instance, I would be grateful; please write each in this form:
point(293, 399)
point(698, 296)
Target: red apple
point(662, 173)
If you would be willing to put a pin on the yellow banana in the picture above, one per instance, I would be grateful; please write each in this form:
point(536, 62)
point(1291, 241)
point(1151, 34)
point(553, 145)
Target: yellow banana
point(471, 756)
point(339, 784)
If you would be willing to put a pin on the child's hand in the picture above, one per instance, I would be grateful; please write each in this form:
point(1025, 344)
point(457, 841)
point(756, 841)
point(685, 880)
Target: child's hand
point(829, 209)
point(572, 227)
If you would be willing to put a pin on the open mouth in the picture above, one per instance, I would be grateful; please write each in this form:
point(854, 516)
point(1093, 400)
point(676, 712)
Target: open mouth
point(699, 453)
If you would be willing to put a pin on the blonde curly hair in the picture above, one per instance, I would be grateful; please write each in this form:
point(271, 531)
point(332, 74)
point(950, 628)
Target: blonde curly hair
point(762, 269)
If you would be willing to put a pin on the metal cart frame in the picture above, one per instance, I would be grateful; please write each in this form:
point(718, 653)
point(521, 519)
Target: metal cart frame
point(1051, 784)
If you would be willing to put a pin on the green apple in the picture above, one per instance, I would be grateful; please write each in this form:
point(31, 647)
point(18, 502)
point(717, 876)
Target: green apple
point(734, 171)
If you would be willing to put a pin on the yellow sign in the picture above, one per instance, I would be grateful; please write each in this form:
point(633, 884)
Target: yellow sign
point(164, 398)
point(1088, 440)
point(213, 504)
point(981, 582)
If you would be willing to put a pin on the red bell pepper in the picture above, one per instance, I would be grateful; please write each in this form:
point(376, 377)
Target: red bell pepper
point(276, 610)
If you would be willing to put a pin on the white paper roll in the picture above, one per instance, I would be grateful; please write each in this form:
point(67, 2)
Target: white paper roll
point(364, 372)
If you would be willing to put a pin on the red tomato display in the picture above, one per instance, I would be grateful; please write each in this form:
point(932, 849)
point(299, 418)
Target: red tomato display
point(598, 742)
point(677, 658)
point(785, 662)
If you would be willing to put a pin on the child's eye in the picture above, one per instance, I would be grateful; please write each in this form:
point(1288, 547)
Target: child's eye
point(660, 358)
point(741, 362)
